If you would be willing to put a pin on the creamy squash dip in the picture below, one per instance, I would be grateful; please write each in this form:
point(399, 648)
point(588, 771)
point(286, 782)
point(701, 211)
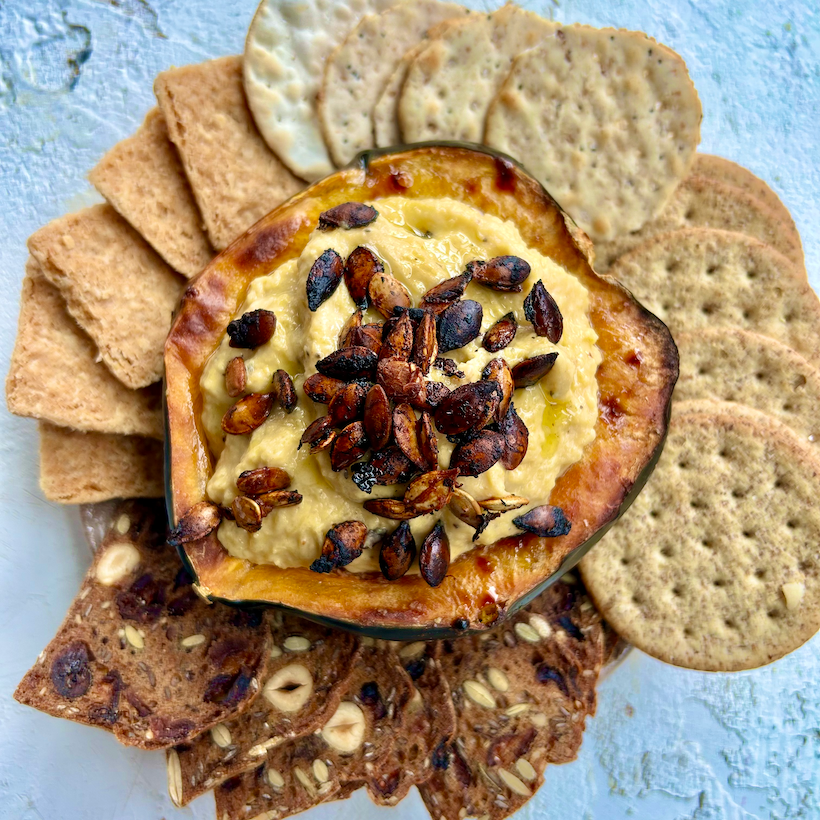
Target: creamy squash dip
point(421, 242)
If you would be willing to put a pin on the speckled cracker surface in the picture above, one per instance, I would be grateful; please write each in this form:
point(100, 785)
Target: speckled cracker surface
point(386, 130)
point(608, 120)
point(521, 694)
point(116, 287)
point(54, 373)
point(451, 82)
point(139, 653)
point(284, 61)
point(84, 468)
point(716, 565)
point(734, 365)
point(357, 71)
point(235, 177)
point(699, 202)
point(143, 178)
point(698, 279)
point(306, 677)
point(352, 745)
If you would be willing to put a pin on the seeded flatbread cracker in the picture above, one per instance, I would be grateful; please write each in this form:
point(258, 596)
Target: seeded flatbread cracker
point(429, 723)
point(84, 468)
point(284, 60)
point(699, 278)
point(143, 178)
point(357, 71)
point(116, 287)
point(521, 694)
point(716, 566)
point(54, 373)
point(451, 82)
point(734, 365)
point(352, 745)
point(140, 653)
point(607, 120)
point(307, 673)
point(706, 203)
point(235, 177)
point(386, 130)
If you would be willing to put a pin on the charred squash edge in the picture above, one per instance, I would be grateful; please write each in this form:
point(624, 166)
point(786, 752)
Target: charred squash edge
point(635, 381)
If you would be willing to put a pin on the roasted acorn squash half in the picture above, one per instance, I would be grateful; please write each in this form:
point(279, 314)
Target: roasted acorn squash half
point(635, 382)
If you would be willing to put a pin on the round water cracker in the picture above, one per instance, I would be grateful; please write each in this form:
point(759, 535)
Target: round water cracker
point(608, 120)
point(360, 67)
point(285, 52)
point(451, 82)
point(699, 202)
point(698, 278)
point(732, 365)
point(716, 566)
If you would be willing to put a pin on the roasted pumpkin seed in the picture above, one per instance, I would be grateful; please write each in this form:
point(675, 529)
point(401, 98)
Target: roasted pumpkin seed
point(448, 367)
point(434, 556)
point(428, 443)
point(346, 216)
point(425, 349)
point(402, 381)
point(247, 414)
point(343, 543)
point(252, 329)
point(531, 371)
point(501, 333)
point(393, 508)
point(468, 407)
point(542, 310)
point(448, 291)
point(201, 520)
point(387, 293)
point(396, 552)
point(435, 393)
point(476, 456)
point(546, 521)
point(459, 325)
point(516, 439)
point(262, 480)
point(348, 363)
point(319, 434)
point(498, 371)
point(503, 503)
point(398, 343)
point(354, 322)
point(405, 431)
point(431, 491)
point(247, 513)
point(236, 377)
point(503, 273)
point(323, 278)
point(285, 391)
point(348, 447)
point(278, 499)
point(387, 467)
point(378, 421)
point(369, 336)
point(465, 508)
point(347, 405)
point(321, 388)
point(361, 266)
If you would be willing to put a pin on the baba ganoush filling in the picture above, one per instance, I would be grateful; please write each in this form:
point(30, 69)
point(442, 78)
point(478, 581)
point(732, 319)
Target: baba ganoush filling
point(418, 244)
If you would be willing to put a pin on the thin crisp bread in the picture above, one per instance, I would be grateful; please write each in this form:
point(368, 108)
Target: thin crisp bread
point(386, 129)
point(357, 71)
point(607, 120)
point(84, 468)
point(452, 81)
point(699, 278)
point(235, 177)
point(716, 565)
point(699, 202)
point(54, 373)
point(728, 364)
point(116, 287)
point(307, 674)
point(521, 695)
point(140, 654)
point(143, 178)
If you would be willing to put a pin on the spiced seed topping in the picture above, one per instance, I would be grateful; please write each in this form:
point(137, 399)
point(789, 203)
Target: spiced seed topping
point(347, 405)
point(516, 439)
point(448, 291)
point(501, 333)
point(321, 388)
point(369, 336)
point(361, 266)
point(431, 491)
point(398, 343)
point(247, 414)
point(252, 329)
point(323, 279)
point(402, 381)
point(262, 480)
point(459, 325)
point(428, 443)
point(498, 371)
point(346, 216)
point(353, 323)
point(246, 513)
point(531, 371)
point(201, 520)
point(468, 407)
point(349, 446)
point(378, 422)
point(348, 363)
point(396, 552)
point(465, 508)
point(435, 393)
point(278, 499)
point(319, 434)
point(386, 467)
point(425, 349)
point(236, 377)
point(479, 454)
point(394, 508)
point(343, 543)
point(405, 431)
point(387, 293)
point(434, 556)
point(285, 390)
point(542, 310)
point(545, 521)
point(503, 503)
point(504, 273)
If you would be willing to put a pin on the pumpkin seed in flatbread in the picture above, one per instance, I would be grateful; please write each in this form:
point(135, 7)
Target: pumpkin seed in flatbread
point(699, 202)
point(716, 565)
point(700, 278)
point(452, 81)
point(357, 71)
point(608, 120)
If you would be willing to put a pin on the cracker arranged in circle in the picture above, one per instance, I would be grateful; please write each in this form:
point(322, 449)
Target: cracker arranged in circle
point(521, 695)
point(716, 566)
point(607, 120)
point(699, 202)
point(307, 672)
point(284, 60)
point(732, 365)
point(698, 278)
point(357, 71)
point(139, 653)
point(451, 82)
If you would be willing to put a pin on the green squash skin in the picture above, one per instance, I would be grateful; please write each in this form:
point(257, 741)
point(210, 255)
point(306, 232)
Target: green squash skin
point(438, 632)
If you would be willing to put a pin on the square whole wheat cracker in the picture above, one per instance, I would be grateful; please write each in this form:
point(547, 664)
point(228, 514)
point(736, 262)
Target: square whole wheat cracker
point(139, 653)
point(235, 177)
point(521, 694)
point(116, 287)
point(306, 676)
point(715, 566)
point(84, 468)
point(354, 744)
point(54, 373)
point(143, 178)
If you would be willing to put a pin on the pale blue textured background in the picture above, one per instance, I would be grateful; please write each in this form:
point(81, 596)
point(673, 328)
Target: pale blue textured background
point(75, 77)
